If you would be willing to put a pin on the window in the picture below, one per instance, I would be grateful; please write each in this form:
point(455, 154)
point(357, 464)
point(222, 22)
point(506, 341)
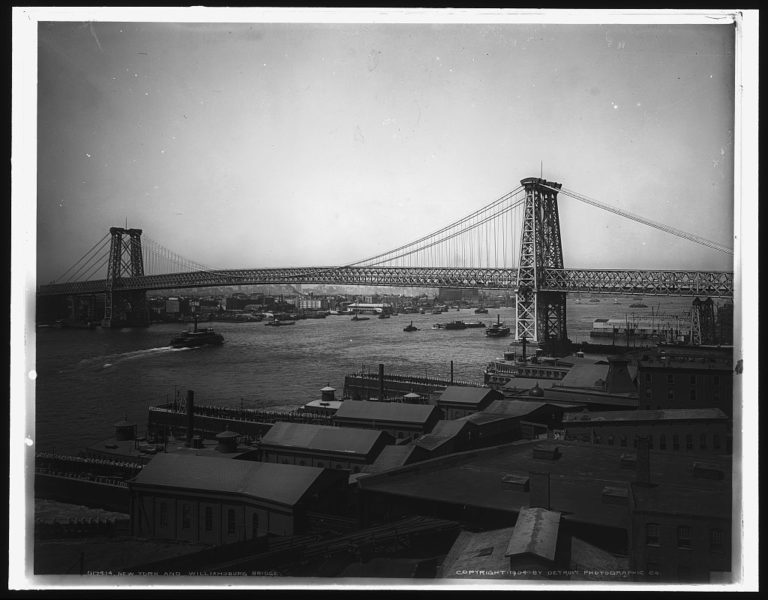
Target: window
point(255, 524)
point(716, 441)
point(671, 395)
point(670, 379)
point(692, 395)
point(703, 441)
point(675, 442)
point(693, 379)
point(688, 441)
point(163, 514)
point(610, 440)
point(648, 393)
point(623, 441)
point(230, 520)
point(186, 516)
point(662, 442)
point(683, 536)
point(652, 534)
point(597, 439)
point(208, 518)
point(715, 539)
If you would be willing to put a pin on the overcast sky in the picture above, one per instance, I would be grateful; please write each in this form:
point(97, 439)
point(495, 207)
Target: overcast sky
point(290, 144)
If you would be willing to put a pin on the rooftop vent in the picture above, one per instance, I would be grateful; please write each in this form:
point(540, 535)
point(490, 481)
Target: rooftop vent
point(708, 471)
point(546, 452)
point(519, 483)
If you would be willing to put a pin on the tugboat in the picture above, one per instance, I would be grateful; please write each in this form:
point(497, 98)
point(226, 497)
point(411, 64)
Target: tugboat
point(498, 329)
point(195, 338)
point(410, 327)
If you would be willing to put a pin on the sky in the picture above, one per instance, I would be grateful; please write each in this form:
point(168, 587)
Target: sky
point(254, 144)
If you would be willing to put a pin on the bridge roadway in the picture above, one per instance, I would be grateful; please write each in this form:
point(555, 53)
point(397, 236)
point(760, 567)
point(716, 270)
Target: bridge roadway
point(606, 281)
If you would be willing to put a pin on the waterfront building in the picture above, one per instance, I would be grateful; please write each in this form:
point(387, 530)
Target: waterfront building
point(402, 421)
point(675, 378)
point(459, 401)
point(207, 500)
point(322, 445)
point(700, 430)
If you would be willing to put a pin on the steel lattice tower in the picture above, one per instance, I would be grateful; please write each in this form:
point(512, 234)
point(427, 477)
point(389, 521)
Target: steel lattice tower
point(125, 260)
point(540, 314)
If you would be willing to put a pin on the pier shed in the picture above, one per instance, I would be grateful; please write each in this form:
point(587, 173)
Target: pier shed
point(402, 421)
point(213, 501)
point(323, 445)
point(460, 401)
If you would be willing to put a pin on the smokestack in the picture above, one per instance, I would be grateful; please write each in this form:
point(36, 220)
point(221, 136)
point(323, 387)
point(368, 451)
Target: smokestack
point(381, 382)
point(451, 372)
point(643, 461)
point(190, 416)
point(539, 486)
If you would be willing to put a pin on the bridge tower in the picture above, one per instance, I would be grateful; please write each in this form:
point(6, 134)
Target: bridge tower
point(540, 314)
point(124, 307)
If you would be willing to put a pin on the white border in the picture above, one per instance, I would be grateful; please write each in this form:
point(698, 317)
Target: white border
point(23, 251)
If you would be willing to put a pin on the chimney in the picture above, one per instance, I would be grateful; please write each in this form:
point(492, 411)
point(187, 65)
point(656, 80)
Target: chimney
point(643, 461)
point(618, 380)
point(190, 416)
point(539, 486)
point(381, 382)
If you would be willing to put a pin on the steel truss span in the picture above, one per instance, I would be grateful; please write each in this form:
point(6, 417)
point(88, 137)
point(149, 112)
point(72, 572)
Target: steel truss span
point(666, 283)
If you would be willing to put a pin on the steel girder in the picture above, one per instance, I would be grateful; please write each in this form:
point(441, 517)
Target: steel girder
point(661, 283)
point(651, 283)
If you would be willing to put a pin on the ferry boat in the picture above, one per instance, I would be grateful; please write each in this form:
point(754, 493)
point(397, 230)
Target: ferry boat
point(501, 371)
point(498, 329)
point(196, 338)
point(410, 327)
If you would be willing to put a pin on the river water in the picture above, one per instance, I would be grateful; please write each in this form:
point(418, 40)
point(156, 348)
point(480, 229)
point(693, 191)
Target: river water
point(89, 379)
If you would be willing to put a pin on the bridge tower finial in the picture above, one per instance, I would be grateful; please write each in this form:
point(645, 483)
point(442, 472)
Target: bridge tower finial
point(540, 314)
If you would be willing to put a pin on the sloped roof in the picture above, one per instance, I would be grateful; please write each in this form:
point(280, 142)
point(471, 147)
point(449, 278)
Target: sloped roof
point(459, 394)
point(585, 375)
point(535, 532)
point(391, 457)
point(669, 414)
point(322, 437)
point(284, 484)
point(478, 555)
point(396, 412)
point(513, 408)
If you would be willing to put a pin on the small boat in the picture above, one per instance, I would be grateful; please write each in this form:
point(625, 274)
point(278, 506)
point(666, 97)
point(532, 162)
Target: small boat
point(357, 317)
point(410, 327)
point(438, 326)
point(481, 310)
point(197, 338)
point(279, 322)
point(498, 329)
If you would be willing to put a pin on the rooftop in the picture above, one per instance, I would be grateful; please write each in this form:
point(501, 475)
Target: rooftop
point(577, 479)
point(513, 408)
point(283, 484)
point(535, 532)
point(647, 415)
point(322, 437)
point(393, 412)
point(483, 551)
point(457, 394)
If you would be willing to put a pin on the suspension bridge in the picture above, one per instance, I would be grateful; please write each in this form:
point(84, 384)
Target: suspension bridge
point(511, 244)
